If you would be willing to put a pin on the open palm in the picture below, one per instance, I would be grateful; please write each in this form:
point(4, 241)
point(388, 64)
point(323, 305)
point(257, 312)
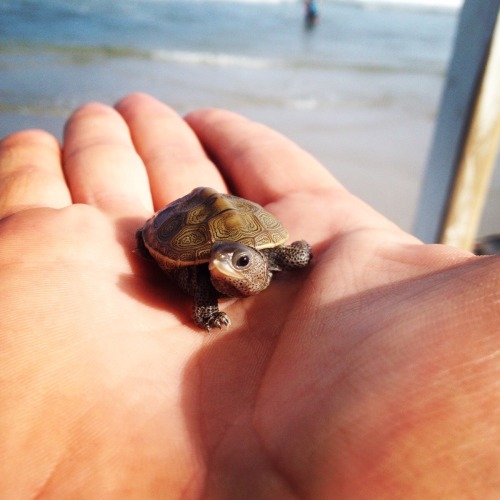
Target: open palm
point(372, 368)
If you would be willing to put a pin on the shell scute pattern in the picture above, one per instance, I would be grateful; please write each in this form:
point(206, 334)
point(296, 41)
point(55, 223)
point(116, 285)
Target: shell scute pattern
point(201, 212)
point(233, 226)
point(165, 227)
point(183, 232)
point(189, 238)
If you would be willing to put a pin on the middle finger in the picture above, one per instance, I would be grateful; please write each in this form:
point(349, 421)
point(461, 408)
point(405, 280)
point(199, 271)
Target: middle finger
point(175, 160)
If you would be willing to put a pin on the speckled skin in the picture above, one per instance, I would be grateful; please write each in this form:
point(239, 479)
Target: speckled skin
point(195, 281)
point(229, 267)
point(288, 257)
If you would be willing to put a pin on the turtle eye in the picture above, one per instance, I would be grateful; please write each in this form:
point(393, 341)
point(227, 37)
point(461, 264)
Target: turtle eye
point(241, 260)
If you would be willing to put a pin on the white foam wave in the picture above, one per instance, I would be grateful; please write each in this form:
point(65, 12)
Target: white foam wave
point(212, 59)
point(270, 2)
point(247, 1)
point(428, 4)
point(303, 104)
point(418, 4)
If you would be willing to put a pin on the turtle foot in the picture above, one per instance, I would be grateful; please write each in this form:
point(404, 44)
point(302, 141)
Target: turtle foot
point(210, 317)
point(218, 320)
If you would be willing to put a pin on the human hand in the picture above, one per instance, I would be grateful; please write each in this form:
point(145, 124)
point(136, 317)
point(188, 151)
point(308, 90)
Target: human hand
point(373, 373)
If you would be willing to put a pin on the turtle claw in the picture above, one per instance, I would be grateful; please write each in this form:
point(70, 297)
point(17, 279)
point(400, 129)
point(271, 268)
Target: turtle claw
point(209, 317)
point(218, 320)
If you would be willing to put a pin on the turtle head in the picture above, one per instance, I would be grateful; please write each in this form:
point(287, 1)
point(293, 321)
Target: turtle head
point(238, 270)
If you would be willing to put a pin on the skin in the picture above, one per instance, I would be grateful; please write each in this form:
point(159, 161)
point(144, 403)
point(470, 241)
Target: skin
point(371, 374)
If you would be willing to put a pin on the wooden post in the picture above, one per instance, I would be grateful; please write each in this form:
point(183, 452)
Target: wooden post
point(467, 132)
point(476, 164)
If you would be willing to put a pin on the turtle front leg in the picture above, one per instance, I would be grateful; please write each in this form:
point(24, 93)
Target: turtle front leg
point(206, 312)
point(289, 257)
point(210, 317)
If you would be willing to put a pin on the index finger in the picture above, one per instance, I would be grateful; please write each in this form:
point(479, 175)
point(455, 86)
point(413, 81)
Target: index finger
point(173, 156)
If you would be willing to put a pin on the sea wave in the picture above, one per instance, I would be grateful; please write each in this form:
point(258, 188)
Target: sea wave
point(413, 4)
point(226, 60)
point(212, 59)
point(86, 55)
point(427, 4)
point(258, 2)
point(232, 1)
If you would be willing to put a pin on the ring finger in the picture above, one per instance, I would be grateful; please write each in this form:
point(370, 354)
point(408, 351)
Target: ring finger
point(101, 165)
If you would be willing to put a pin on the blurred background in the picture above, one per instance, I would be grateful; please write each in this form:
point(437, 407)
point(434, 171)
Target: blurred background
point(360, 89)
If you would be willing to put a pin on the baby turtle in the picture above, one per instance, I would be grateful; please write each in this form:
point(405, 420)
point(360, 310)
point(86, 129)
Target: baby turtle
point(216, 245)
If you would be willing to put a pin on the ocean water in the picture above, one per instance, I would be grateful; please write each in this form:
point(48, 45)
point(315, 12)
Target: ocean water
point(360, 90)
point(227, 49)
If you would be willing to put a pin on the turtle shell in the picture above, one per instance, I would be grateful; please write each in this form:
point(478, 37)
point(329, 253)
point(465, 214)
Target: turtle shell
point(182, 233)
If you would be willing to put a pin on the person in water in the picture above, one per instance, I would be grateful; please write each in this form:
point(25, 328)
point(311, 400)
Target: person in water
point(311, 13)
